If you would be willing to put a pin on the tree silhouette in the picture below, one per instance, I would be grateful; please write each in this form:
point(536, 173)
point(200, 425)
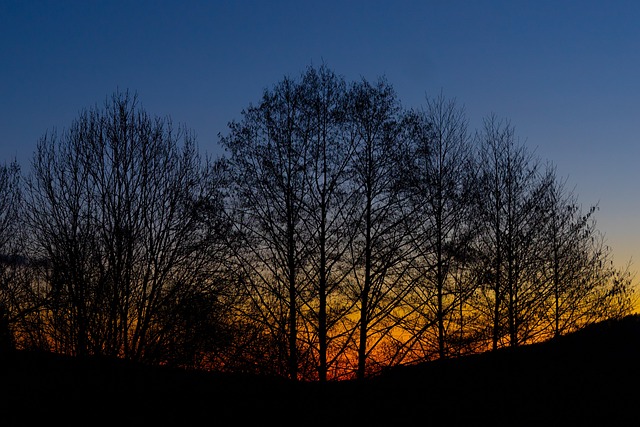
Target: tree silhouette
point(340, 234)
point(11, 268)
point(509, 183)
point(328, 208)
point(268, 163)
point(378, 251)
point(441, 184)
point(577, 264)
point(110, 206)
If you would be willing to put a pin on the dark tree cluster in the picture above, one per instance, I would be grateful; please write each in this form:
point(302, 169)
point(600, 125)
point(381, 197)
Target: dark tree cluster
point(339, 234)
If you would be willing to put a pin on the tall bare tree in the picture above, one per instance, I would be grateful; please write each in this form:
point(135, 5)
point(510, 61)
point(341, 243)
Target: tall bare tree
point(584, 286)
point(268, 161)
point(378, 248)
point(328, 209)
point(441, 189)
point(110, 206)
point(509, 181)
point(11, 254)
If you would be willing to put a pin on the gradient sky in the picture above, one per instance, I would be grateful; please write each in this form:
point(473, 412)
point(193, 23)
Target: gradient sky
point(566, 74)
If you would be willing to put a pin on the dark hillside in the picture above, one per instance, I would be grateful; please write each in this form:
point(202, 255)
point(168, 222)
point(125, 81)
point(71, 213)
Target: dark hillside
point(587, 378)
point(591, 377)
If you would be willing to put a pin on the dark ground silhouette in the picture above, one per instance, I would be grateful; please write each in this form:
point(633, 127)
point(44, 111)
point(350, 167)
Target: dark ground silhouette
point(591, 377)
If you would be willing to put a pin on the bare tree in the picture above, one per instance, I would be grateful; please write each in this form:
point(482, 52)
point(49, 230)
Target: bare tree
point(267, 162)
point(584, 285)
point(543, 257)
point(441, 189)
point(328, 208)
point(377, 251)
point(110, 206)
point(510, 186)
point(11, 259)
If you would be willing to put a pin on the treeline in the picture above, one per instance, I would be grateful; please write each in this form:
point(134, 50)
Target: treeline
point(339, 234)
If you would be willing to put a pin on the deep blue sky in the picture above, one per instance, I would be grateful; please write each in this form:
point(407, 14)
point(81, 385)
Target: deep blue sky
point(565, 73)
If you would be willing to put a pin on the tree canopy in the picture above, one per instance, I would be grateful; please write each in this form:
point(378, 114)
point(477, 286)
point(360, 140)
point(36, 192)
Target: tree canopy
point(341, 233)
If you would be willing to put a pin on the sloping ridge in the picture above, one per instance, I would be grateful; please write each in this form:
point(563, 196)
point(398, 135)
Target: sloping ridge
point(590, 377)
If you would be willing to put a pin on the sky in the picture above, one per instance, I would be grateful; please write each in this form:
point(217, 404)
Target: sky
point(565, 74)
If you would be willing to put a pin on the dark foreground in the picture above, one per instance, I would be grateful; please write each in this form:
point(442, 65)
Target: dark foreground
point(588, 378)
